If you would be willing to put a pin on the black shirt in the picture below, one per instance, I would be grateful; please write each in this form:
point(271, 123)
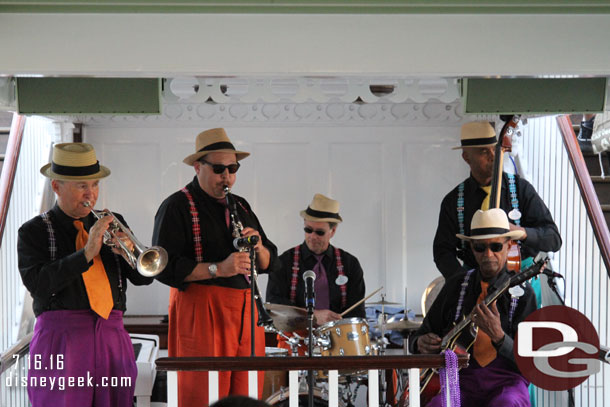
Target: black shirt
point(542, 233)
point(440, 318)
point(58, 284)
point(173, 231)
point(279, 284)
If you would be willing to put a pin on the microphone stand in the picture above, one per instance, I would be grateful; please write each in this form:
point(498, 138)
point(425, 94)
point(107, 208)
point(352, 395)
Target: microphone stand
point(252, 253)
point(310, 381)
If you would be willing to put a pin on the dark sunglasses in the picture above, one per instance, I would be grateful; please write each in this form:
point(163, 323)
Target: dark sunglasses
point(318, 232)
point(220, 168)
point(481, 247)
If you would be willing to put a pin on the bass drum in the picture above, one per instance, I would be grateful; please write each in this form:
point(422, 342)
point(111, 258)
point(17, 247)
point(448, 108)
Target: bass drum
point(320, 398)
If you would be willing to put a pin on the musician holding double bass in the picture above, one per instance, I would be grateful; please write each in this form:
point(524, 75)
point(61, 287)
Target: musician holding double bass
point(210, 310)
point(78, 286)
point(492, 377)
point(518, 198)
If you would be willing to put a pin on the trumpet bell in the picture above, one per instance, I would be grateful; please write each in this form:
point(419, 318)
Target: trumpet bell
point(152, 261)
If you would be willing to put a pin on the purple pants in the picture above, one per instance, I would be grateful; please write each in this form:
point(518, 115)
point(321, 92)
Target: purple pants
point(494, 385)
point(80, 359)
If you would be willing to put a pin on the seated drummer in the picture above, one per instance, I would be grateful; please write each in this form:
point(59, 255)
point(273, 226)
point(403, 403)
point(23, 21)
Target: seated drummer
point(339, 279)
point(492, 377)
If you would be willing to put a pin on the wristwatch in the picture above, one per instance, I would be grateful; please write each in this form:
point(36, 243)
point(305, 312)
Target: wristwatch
point(213, 268)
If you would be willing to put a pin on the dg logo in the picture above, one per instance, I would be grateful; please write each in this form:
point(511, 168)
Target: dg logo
point(557, 348)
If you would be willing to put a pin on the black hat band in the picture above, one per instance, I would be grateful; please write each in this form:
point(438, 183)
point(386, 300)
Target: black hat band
point(320, 214)
point(221, 145)
point(75, 171)
point(488, 231)
point(477, 141)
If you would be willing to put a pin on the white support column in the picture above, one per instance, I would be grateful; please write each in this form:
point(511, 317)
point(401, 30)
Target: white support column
point(414, 388)
point(333, 388)
point(212, 387)
point(253, 384)
point(373, 388)
point(293, 388)
point(172, 389)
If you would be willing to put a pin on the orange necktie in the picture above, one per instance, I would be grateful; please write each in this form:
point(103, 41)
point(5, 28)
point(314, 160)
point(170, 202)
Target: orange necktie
point(96, 280)
point(484, 351)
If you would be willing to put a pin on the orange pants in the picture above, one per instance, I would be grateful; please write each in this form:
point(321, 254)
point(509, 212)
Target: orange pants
point(212, 321)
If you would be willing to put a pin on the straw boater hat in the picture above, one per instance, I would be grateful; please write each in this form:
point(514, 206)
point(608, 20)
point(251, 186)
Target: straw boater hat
point(490, 224)
point(213, 141)
point(322, 209)
point(74, 162)
point(477, 134)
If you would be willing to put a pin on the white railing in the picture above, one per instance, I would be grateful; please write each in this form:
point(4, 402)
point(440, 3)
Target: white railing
point(579, 260)
point(25, 203)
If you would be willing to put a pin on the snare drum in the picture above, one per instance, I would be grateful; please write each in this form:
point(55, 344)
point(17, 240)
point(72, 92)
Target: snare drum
point(346, 337)
point(275, 380)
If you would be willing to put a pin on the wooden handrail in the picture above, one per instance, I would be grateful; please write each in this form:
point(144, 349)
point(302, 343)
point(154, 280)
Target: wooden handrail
point(587, 190)
point(305, 363)
point(10, 168)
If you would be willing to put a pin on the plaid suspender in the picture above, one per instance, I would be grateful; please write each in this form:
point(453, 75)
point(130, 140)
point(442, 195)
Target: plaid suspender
point(52, 242)
point(195, 224)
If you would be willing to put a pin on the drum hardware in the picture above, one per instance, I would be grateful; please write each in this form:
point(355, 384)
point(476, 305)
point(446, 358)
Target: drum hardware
point(149, 261)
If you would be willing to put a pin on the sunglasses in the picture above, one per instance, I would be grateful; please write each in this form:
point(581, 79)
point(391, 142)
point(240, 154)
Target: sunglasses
point(481, 247)
point(318, 232)
point(220, 168)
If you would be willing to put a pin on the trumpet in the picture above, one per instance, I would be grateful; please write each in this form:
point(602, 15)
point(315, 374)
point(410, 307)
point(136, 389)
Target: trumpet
point(149, 261)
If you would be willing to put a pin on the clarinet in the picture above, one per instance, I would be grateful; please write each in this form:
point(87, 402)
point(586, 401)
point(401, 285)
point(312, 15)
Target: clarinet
point(264, 318)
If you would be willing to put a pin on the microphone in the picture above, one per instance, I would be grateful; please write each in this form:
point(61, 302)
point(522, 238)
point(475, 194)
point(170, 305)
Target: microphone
point(551, 274)
point(247, 241)
point(310, 297)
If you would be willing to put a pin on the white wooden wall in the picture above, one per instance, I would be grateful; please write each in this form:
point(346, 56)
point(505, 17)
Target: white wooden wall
point(389, 181)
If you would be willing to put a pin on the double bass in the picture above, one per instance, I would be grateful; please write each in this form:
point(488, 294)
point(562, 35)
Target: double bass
point(504, 145)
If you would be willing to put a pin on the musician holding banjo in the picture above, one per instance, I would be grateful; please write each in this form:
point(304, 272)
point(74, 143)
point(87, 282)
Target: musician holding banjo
point(339, 281)
point(492, 377)
point(78, 286)
point(526, 210)
point(209, 311)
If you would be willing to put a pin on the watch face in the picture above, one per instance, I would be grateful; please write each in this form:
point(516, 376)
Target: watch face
point(212, 268)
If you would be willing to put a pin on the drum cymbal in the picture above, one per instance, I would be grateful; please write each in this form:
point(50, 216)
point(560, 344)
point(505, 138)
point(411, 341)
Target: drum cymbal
point(403, 325)
point(287, 317)
point(383, 302)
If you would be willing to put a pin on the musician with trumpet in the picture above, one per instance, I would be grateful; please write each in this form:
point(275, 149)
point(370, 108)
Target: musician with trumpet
point(492, 377)
point(78, 286)
point(199, 226)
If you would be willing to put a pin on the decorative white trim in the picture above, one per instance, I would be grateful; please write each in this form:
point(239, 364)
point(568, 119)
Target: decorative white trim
point(283, 114)
point(310, 90)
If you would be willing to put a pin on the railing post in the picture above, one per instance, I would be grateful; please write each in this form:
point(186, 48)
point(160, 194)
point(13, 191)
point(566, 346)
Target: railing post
point(333, 388)
point(414, 387)
point(293, 388)
point(253, 384)
point(172, 388)
point(373, 388)
point(212, 387)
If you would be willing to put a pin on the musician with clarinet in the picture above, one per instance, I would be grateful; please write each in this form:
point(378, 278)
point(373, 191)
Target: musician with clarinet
point(492, 377)
point(78, 286)
point(200, 226)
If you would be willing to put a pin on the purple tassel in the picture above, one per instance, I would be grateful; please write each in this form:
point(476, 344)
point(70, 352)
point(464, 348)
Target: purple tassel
point(449, 380)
